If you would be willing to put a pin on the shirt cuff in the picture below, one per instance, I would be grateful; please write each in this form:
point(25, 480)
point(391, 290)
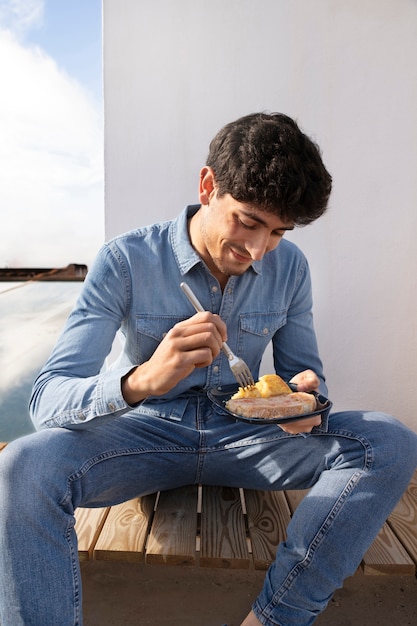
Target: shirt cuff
point(110, 400)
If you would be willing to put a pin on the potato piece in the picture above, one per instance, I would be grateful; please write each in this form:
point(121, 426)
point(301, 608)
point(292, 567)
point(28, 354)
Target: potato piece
point(272, 385)
point(267, 386)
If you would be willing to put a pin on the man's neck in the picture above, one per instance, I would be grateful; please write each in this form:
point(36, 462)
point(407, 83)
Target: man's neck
point(197, 242)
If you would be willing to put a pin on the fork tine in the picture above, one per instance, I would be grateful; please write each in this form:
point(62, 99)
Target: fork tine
point(240, 380)
point(247, 376)
point(239, 368)
point(251, 381)
point(242, 373)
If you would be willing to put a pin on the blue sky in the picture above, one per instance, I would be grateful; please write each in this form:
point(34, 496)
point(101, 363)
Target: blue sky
point(51, 124)
point(70, 32)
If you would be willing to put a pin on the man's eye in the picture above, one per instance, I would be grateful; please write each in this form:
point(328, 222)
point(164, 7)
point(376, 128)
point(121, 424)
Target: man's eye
point(248, 226)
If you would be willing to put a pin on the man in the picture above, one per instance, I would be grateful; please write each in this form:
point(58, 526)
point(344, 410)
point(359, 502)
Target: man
point(146, 423)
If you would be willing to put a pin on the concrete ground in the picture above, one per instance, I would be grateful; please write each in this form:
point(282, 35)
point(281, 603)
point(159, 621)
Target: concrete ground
point(123, 594)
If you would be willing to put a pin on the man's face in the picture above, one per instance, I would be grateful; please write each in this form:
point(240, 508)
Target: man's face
point(230, 235)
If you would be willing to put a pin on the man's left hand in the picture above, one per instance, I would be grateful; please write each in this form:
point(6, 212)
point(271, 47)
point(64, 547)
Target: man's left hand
point(305, 381)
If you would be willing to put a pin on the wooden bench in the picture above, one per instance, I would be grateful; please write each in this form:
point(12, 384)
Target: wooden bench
point(227, 528)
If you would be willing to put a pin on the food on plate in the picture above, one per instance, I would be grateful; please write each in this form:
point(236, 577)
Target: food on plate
point(267, 386)
point(284, 405)
point(270, 397)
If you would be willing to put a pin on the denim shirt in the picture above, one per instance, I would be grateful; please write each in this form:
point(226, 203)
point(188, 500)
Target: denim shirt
point(133, 287)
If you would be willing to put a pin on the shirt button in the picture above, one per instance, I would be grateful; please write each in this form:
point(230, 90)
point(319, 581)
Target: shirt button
point(215, 369)
point(265, 331)
point(112, 407)
point(214, 289)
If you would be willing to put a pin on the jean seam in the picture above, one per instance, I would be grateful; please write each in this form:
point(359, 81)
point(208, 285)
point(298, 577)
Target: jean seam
point(268, 610)
point(369, 457)
point(88, 465)
point(105, 456)
point(74, 477)
point(277, 597)
point(75, 576)
point(322, 532)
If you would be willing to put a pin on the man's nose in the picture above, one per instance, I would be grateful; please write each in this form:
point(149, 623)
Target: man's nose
point(258, 246)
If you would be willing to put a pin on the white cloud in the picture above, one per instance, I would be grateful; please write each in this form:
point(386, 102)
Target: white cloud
point(20, 16)
point(51, 154)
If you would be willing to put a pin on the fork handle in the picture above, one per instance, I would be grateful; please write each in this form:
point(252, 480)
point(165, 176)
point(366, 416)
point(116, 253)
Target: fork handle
point(192, 297)
point(199, 308)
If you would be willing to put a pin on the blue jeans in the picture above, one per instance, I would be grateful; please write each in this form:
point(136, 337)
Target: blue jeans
point(357, 469)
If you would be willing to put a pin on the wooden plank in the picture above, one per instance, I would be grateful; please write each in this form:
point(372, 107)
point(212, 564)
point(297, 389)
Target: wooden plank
point(124, 533)
point(268, 516)
point(89, 523)
point(387, 556)
point(223, 529)
point(403, 519)
point(172, 537)
point(294, 497)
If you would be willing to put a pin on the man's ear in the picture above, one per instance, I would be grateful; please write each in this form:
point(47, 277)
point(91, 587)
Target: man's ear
point(207, 184)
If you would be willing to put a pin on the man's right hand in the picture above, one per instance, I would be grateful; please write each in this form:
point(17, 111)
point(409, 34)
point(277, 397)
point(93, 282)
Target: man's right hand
point(190, 344)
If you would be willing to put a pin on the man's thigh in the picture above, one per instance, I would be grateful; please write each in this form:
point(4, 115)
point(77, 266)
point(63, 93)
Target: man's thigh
point(106, 463)
point(265, 457)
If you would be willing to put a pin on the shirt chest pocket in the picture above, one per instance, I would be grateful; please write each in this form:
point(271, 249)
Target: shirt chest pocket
point(150, 330)
point(257, 329)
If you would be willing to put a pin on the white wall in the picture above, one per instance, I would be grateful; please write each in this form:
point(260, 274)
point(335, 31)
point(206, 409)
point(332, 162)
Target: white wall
point(176, 71)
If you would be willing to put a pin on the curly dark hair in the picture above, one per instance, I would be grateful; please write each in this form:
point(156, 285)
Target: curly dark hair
point(264, 159)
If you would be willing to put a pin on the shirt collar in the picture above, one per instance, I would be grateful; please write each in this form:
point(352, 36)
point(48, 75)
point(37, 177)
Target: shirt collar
point(184, 252)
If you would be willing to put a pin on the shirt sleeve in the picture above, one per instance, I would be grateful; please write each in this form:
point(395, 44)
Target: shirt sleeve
point(74, 386)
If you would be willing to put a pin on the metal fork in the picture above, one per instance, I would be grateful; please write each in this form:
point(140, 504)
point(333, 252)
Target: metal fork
point(238, 366)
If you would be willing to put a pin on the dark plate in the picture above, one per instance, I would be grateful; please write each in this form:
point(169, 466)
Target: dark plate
point(220, 395)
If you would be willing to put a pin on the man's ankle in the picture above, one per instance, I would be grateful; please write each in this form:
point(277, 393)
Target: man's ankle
point(251, 620)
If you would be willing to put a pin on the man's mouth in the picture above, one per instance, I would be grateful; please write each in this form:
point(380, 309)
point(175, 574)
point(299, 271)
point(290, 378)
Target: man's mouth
point(241, 256)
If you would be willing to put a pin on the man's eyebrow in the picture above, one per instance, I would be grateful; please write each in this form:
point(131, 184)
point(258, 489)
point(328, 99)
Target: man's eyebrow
point(255, 217)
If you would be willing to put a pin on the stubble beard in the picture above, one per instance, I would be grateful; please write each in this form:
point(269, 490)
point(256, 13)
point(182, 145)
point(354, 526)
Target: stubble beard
point(220, 261)
point(229, 267)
